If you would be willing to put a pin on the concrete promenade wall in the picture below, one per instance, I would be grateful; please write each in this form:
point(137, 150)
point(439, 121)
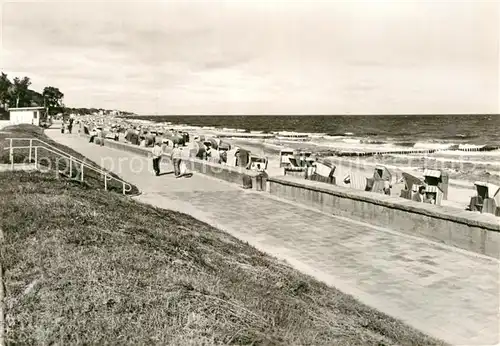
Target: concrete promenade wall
point(479, 233)
point(230, 174)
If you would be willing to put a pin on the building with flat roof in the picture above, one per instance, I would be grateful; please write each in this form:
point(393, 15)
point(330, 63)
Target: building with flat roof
point(27, 115)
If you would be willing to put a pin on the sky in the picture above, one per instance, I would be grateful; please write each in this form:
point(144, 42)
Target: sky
point(259, 57)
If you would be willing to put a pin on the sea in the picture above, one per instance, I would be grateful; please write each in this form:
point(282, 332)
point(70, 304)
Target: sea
point(358, 131)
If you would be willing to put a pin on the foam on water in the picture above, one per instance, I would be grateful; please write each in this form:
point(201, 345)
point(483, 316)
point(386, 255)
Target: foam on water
point(433, 157)
point(494, 153)
point(431, 145)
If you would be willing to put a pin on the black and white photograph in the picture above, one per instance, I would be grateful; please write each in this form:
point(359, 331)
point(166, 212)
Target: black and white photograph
point(250, 172)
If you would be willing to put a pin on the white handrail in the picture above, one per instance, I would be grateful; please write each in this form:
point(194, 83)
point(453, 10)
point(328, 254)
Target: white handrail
point(39, 140)
point(60, 152)
point(107, 175)
point(83, 163)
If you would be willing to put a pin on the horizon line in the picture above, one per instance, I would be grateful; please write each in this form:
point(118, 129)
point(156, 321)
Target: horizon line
point(305, 115)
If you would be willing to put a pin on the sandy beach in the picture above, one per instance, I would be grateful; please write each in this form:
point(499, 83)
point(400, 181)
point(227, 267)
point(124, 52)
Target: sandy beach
point(459, 192)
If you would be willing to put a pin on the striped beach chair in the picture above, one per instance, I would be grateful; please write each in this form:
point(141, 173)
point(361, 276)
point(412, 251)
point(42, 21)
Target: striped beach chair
point(356, 181)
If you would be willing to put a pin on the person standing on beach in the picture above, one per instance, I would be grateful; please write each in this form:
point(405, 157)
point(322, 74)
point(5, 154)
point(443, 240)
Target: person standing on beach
point(176, 160)
point(157, 152)
point(387, 188)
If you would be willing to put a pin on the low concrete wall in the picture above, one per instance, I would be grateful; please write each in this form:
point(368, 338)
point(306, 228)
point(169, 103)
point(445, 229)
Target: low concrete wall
point(255, 180)
point(141, 151)
point(479, 233)
point(236, 175)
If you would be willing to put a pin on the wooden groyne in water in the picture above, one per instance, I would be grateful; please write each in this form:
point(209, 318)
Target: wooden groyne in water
point(345, 153)
point(245, 135)
point(485, 148)
point(373, 153)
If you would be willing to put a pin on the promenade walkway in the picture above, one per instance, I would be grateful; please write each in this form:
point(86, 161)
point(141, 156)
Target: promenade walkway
point(445, 292)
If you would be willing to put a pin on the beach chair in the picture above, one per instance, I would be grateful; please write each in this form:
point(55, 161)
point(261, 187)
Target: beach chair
point(258, 161)
point(309, 162)
point(381, 175)
point(195, 148)
point(322, 171)
point(284, 157)
point(356, 181)
point(406, 194)
point(369, 184)
point(99, 140)
point(434, 177)
point(213, 143)
point(433, 192)
point(476, 203)
point(150, 139)
point(490, 195)
point(293, 162)
point(231, 157)
point(224, 146)
point(324, 168)
point(489, 206)
point(247, 181)
point(111, 135)
point(293, 168)
point(410, 182)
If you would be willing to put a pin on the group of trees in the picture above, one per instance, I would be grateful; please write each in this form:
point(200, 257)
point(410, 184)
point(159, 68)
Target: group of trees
point(16, 93)
point(84, 111)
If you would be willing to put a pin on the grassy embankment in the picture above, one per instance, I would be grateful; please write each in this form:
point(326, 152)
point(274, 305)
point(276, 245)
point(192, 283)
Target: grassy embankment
point(46, 158)
point(85, 266)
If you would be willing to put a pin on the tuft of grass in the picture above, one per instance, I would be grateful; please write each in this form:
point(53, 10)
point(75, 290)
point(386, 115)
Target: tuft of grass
point(48, 159)
point(87, 267)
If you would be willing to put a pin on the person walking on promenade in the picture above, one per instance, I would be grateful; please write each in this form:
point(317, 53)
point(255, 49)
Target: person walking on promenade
point(70, 126)
point(176, 160)
point(102, 135)
point(157, 153)
point(93, 135)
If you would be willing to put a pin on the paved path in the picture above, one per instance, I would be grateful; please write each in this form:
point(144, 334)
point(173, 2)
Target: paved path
point(445, 292)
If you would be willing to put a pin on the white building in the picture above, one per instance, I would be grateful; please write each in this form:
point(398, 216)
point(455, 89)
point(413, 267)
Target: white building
point(26, 115)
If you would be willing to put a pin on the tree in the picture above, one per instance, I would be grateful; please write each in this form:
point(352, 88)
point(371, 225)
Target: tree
point(19, 92)
point(53, 99)
point(5, 86)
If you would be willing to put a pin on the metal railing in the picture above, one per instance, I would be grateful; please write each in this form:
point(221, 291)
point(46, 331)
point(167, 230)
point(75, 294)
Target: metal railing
point(126, 187)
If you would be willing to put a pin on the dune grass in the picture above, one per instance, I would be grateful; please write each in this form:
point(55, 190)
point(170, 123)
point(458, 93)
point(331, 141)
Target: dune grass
point(83, 266)
point(50, 160)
